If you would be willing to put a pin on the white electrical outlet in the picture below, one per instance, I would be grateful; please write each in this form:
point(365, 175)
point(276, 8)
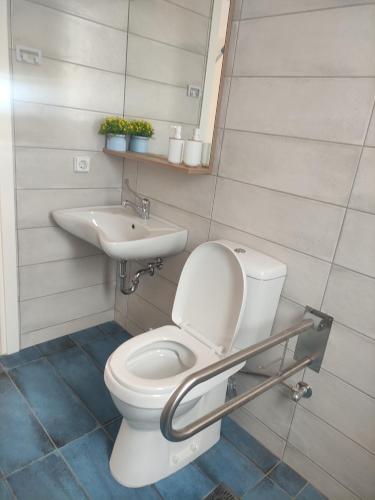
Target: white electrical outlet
point(81, 164)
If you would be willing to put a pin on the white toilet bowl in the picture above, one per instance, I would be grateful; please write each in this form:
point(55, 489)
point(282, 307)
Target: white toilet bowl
point(143, 372)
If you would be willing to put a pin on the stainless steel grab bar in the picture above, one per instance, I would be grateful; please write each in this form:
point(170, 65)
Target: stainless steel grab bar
point(314, 348)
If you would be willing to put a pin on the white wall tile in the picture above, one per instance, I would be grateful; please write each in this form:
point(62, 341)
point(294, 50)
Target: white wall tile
point(305, 225)
point(35, 206)
point(65, 84)
point(302, 107)
point(346, 461)
point(52, 332)
point(259, 431)
point(228, 68)
point(201, 6)
point(52, 127)
point(53, 168)
point(317, 476)
point(158, 101)
point(111, 12)
point(157, 61)
point(46, 244)
point(317, 170)
point(350, 299)
point(306, 276)
point(66, 306)
point(259, 8)
point(145, 315)
point(188, 192)
point(356, 249)
point(168, 23)
point(350, 356)
point(347, 409)
point(197, 227)
point(363, 195)
point(338, 42)
point(48, 278)
point(158, 291)
point(68, 37)
point(370, 139)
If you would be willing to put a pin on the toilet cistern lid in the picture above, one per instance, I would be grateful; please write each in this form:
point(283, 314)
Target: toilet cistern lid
point(211, 295)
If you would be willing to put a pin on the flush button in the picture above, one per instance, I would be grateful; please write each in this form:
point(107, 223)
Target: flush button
point(240, 250)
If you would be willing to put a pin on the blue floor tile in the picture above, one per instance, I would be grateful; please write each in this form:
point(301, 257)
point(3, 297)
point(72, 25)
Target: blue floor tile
point(46, 479)
point(223, 463)
point(5, 491)
point(80, 373)
point(60, 411)
point(247, 445)
point(189, 483)
point(266, 490)
point(19, 358)
point(310, 493)
point(113, 428)
point(22, 439)
point(88, 335)
point(55, 345)
point(111, 327)
point(100, 350)
point(88, 457)
point(288, 479)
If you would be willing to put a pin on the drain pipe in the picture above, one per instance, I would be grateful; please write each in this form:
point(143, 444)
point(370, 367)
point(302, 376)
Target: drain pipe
point(128, 289)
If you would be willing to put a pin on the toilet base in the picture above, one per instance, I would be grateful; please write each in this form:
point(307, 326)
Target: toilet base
point(141, 457)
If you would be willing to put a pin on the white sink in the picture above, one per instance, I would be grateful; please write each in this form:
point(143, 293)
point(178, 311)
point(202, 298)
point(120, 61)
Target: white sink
point(122, 234)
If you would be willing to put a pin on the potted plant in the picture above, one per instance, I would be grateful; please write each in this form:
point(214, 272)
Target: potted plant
point(140, 131)
point(116, 130)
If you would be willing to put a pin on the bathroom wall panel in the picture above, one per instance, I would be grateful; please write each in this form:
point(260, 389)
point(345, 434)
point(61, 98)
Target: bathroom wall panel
point(318, 170)
point(65, 84)
point(308, 44)
point(35, 280)
point(350, 298)
point(66, 306)
point(356, 249)
point(191, 193)
point(145, 315)
point(169, 23)
point(35, 206)
point(38, 125)
point(260, 8)
point(158, 291)
point(53, 168)
point(69, 38)
point(303, 107)
point(307, 276)
point(362, 197)
point(317, 475)
point(111, 12)
point(344, 350)
point(57, 245)
point(292, 221)
point(152, 60)
point(345, 460)
point(330, 403)
point(370, 139)
point(200, 6)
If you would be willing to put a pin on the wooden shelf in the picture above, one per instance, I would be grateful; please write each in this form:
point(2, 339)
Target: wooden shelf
point(159, 160)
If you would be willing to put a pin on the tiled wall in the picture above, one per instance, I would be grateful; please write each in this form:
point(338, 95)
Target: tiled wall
point(167, 48)
point(65, 284)
point(296, 180)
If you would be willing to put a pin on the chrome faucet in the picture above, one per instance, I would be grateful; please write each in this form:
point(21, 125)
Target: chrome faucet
point(141, 205)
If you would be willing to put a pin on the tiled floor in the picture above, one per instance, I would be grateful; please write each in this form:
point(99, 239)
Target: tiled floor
point(58, 425)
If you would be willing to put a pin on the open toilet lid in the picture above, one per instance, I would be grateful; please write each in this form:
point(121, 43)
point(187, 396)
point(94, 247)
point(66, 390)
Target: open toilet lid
point(211, 294)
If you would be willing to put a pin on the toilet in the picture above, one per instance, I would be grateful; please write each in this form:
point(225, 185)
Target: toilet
point(225, 301)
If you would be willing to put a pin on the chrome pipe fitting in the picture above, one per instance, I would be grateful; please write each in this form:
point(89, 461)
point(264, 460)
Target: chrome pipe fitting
point(134, 282)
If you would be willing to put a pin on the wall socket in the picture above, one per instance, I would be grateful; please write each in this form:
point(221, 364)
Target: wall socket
point(81, 164)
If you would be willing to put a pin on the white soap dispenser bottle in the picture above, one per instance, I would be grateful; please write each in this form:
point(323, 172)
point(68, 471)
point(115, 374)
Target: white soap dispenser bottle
point(176, 146)
point(193, 150)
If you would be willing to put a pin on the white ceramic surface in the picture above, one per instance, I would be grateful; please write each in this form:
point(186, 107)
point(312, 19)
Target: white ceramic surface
point(121, 233)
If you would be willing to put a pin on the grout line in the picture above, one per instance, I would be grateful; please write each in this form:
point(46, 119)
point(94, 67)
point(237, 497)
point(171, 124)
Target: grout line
point(308, 77)
point(20, 266)
point(308, 11)
point(71, 108)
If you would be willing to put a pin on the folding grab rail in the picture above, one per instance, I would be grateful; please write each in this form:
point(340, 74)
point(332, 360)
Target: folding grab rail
point(313, 332)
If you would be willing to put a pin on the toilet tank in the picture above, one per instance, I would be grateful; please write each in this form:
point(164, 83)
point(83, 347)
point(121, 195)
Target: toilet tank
point(265, 278)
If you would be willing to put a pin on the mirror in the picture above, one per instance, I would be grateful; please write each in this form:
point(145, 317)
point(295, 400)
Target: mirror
point(175, 52)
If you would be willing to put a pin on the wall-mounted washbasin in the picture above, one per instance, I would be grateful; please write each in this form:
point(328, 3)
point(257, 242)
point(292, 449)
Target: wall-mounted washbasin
point(122, 234)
